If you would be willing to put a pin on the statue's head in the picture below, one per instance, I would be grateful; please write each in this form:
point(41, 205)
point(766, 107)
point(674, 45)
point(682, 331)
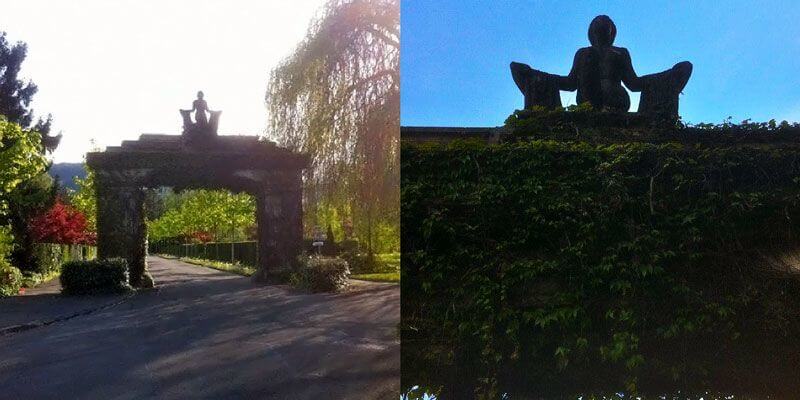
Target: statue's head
point(602, 31)
point(200, 95)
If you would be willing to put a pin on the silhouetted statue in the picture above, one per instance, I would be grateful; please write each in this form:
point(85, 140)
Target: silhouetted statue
point(200, 107)
point(202, 126)
point(597, 73)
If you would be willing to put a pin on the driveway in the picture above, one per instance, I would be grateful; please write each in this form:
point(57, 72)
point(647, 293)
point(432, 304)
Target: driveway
point(208, 334)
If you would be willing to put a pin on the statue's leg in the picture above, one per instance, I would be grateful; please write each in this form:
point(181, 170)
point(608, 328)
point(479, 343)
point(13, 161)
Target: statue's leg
point(187, 119)
point(682, 71)
point(660, 91)
point(521, 75)
point(615, 97)
point(539, 88)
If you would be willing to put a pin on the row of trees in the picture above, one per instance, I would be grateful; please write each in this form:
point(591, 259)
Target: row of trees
point(337, 98)
point(202, 215)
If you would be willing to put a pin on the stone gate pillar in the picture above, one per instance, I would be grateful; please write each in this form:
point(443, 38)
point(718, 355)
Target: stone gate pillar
point(279, 214)
point(121, 228)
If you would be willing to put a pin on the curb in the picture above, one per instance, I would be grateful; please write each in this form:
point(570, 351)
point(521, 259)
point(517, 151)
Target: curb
point(31, 325)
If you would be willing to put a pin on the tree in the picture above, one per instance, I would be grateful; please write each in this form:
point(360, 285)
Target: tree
point(84, 199)
point(16, 95)
point(61, 224)
point(22, 164)
point(337, 98)
point(222, 215)
point(21, 160)
point(329, 247)
point(30, 196)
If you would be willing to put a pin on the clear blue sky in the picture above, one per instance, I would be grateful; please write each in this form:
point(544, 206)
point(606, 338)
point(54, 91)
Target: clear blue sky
point(455, 54)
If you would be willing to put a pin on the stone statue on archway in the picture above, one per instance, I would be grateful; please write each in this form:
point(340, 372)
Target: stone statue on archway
point(598, 72)
point(202, 126)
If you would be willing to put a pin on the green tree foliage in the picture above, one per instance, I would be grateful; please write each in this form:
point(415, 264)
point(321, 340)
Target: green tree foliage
point(337, 99)
point(85, 200)
point(225, 215)
point(28, 200)
point(31, 196)
point(16, 95)
point(21, 160)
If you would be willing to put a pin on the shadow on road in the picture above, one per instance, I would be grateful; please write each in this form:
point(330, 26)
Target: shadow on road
point(210, 334)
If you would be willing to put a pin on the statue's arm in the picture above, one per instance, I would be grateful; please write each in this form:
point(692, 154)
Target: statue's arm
point(632, 81)
point(570, 82)
point(523, 72)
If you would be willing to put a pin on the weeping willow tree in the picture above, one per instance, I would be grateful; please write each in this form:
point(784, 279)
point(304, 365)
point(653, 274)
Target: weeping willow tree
point(337, 99)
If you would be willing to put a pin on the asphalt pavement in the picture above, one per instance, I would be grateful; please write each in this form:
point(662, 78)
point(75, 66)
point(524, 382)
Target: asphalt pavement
point(203, 334)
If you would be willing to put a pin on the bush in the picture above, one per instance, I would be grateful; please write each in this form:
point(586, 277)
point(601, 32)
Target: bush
point(323, 274)
point(10, 276)
point(359, 263)
point(10, 279)
point(570, 263)
point(95, 277)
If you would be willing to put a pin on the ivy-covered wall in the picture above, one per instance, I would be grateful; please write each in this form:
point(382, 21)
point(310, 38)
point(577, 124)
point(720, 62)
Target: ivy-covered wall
point(593, 254)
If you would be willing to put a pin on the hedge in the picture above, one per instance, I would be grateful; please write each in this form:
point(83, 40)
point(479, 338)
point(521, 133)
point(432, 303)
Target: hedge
point(579, 259)
point(323, 274)
point(95, 277)
point(50, 256)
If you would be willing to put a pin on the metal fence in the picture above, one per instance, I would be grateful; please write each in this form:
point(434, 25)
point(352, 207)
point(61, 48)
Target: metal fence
point(245, 253)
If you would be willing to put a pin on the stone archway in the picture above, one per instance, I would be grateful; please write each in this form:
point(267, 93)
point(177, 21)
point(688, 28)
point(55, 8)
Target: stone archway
point(273, 175)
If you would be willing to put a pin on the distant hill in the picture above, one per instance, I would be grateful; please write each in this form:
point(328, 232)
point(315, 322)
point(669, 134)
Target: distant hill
point(65, 173)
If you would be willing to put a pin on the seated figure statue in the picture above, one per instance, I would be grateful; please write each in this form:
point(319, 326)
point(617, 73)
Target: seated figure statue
point(598, 72)
point(201, 126)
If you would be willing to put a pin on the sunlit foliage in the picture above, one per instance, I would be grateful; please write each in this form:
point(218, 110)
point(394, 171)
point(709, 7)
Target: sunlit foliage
point(20, 157)
point(224, 215)
point(337, 99)
point(84, 199)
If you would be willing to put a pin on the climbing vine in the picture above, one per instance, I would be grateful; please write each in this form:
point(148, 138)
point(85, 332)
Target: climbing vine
point(563, 264)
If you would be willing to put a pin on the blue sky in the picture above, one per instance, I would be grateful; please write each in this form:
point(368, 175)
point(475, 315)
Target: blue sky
point(455, 54)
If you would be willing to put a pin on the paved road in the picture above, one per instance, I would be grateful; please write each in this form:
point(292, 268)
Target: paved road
point(208, 334)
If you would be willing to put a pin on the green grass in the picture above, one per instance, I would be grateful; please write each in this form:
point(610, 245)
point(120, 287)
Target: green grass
point(239, 269)
point(393, 277)
point(389, 260)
